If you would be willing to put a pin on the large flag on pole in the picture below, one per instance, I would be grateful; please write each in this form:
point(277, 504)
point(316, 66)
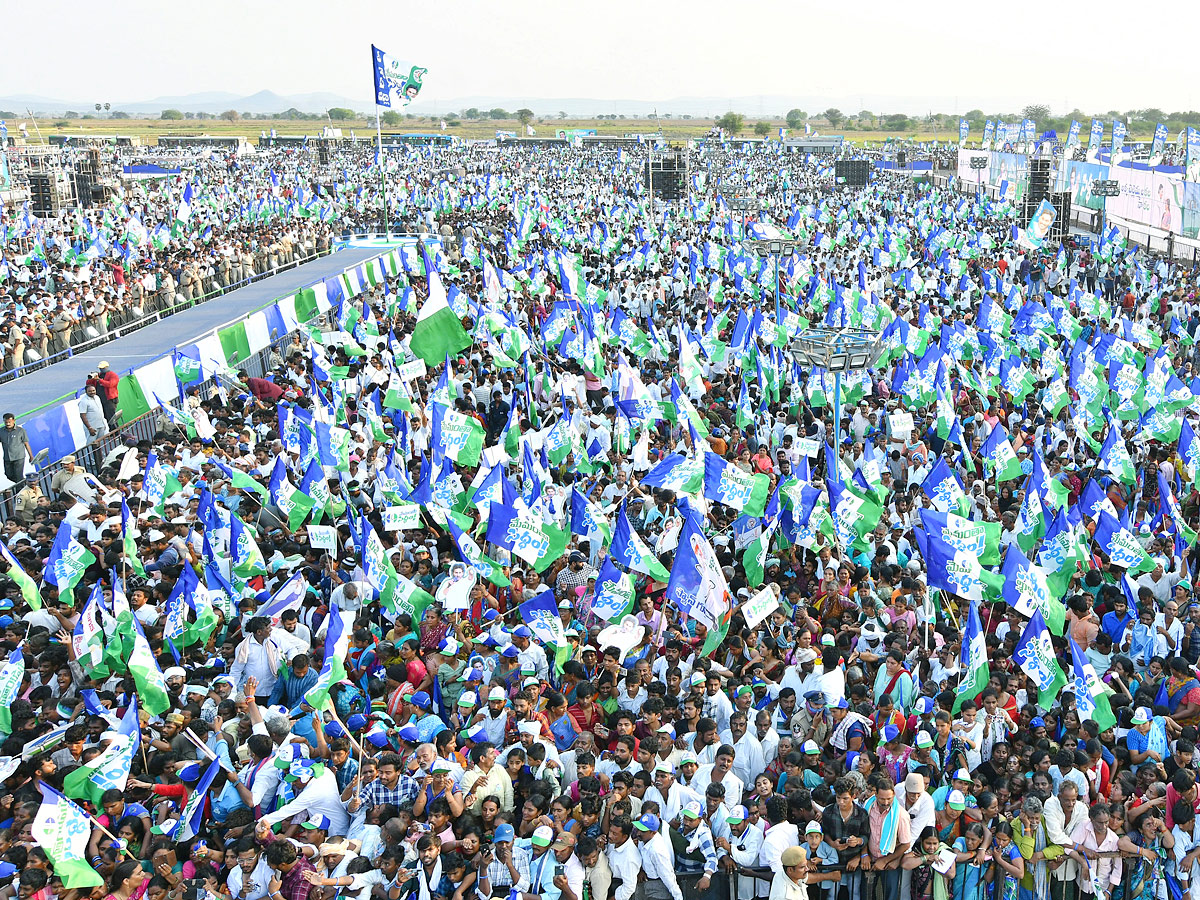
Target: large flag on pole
point(62, 829)
point(975, 673)
point(1035, 655)
point(395, 78)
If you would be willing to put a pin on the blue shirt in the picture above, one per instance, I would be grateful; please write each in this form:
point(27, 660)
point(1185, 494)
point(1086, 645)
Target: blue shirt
point(1114, 627)
point(1138, 743)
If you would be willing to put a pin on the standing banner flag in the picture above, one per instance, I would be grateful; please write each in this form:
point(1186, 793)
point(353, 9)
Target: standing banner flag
point(1192, 155)
point(395, 78)
point(989, 129)
point(1072, 139)
point(964, 128)
point(62, 829)
point(1034, 653)
point(1158, 146)
point(1119, 130)
point(11, 678)
point(975, 674)
point(1091, 701)
point(1095, 139)
point(632, 552)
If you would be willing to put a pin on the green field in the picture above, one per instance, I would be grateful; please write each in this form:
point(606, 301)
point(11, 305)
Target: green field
point(672, 129)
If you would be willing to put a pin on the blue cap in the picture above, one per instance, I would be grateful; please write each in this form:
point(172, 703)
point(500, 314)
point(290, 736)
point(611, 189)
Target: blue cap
point(408, 732)
point(333, 730)
point(841, 703)
point(510, 651)
point(190, 772)
point(504, 832)
point(648, 822)
point(380, 738)
point(925, 705)
point(489, 615)
point(5, 621)
point(522, 631)
point(7, 869)
point(421, 700)
point(890, 733)
point(479, 735)
point(356, 722)
point(1037, 722)
point(317, 822)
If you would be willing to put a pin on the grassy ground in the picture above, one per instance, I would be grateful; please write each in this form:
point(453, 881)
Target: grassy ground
point(672, 129)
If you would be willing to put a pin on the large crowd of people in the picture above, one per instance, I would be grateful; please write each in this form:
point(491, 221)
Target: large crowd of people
point(541, 568)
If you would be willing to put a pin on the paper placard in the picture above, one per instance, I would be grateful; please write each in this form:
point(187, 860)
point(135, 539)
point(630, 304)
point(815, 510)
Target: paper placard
point(398, 518)
point(759, 607)
point(808, 447)
point(901, 424)
point(322, 537)
point(411, 370)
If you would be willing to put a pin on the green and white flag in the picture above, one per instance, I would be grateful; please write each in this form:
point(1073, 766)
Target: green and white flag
point(407, 597)
point(459, 436)
point(975, 672)
point(179, 226)
point(67, 562)
point(754, 559)
point(11, 677)
point(29, 589)
point(438, 332)
point(151, 684)
point(337, 645)
point(1031, 520)
point(62, 829)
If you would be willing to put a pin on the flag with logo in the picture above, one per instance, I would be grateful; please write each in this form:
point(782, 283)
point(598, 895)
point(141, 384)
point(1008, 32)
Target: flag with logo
point(62, 830)
point(525, 536)
point(110, 770)
point(1091, 701)
point(588, 519)
point(1124, 550)
point(975, 673)
point(67, 562)
point(29, 589)
point(999, 456)
point(11, 677)
point(961, 533)
point(1035, 655)
point(614, 592)
point(460, 437)
point(151, 684)
point(470, 552)
point(1027, 591)
point(632, 552)
point(726, 483)
point(333, 669)
point(541, 615)
point(87, 640)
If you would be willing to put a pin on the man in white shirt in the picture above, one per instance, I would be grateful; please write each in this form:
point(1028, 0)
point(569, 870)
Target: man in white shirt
point(748, 761)
point(624, 857)
point(918, 802)
point(669, 794)
point(657, 864)
point(257, 656)
point(721, 770)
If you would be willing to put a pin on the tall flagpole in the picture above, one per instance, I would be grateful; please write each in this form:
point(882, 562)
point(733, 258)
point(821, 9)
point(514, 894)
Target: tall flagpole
point(382, 173)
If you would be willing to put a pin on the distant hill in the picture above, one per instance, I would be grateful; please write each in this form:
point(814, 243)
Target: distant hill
point(263, 102)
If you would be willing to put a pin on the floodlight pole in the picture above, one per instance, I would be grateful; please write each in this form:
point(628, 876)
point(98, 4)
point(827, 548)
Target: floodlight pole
point(773, 247)
point(852, 348)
